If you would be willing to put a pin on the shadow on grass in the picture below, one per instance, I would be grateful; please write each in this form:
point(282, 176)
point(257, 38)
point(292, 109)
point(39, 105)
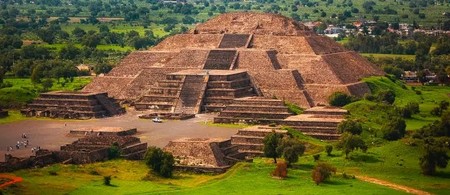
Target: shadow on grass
point(112, 185)
point(303, 167)
point(364, 158)
point(443, 174)
point(335, 182)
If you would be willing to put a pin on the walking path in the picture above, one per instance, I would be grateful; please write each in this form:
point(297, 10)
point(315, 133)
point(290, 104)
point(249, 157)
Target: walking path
point(13, 179)
point(392, 185)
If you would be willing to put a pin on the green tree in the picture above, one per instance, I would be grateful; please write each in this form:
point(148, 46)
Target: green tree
point(329, 149)
point(47, 84)
point(434, 155)
point(349, 142)
point(350, 126)
point(386, 96)
point(102, 68)
point(394, 129)
point(159, 161)
point(339, 99)
point(290, 148)
point(271, 143)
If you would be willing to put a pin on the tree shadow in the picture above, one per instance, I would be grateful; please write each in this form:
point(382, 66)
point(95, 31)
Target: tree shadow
point(304, 167)
point(334, 182)
point(442, 174)
point(364, 158)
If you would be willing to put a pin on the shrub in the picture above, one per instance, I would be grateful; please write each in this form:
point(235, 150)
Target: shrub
point(436, 111)
point(434, 155)
point(114, 151)
point(350, 126)
point(349, 142)
point(159, 161)
point(316, 157)
point(281, 170)
point(339, 99)
point(329, 149)
point(322, 172)
point(443, 105)
point(387, 96)
point(413, 107)
point(52, 173)
point(107, 180)
point(394, 129)
point(405, 112)
point(290, 149)
point(369, 97)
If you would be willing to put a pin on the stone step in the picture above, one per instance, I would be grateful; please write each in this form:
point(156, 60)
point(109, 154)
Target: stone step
point(260, 108)
point(213, 107)
point(252, 153)
point(139, 155)
point(314, 123)
point(259, 133)
point(229, 150)
point(314, 129)
point(221, 119)
point(229, 84)
point(248, 146)
point(256, 101)
point(254, 114)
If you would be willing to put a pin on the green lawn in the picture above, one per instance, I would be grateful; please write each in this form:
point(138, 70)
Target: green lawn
point(23, 90)
point(395, 161)
point(373, 115)
point(129, 177)
point(378, 55)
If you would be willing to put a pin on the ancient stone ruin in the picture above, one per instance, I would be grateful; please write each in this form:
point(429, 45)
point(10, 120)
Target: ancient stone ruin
point(95, 148)
point(236, 55)
point(217, 155)
point(73, 105)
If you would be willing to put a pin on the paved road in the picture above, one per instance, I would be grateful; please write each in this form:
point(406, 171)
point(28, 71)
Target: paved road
point(51, 134)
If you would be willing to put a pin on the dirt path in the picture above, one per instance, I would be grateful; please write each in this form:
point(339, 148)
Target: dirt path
point(392, 185)
point(13, 179)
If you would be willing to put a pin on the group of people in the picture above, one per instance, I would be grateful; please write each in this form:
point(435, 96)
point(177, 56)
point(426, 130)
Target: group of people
point(23, 143)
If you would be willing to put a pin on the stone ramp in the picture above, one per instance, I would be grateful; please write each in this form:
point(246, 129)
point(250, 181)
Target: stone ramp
point(234, 40)
point(220, 59)
point(191, 95)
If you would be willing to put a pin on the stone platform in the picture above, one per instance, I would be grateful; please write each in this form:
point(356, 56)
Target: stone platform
point(119, 131)
point(73, 105)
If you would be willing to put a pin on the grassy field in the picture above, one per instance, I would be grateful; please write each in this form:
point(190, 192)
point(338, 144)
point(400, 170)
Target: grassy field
point(59, 46)
point(23, 90)
point(377, 55)
point(130, 177)
point(373, 115)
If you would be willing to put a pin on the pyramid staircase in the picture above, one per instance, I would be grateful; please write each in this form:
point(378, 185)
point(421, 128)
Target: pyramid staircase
point(222, 89)
point(249, 141)
point(234, 40)
point(192, 93)
point(318, 122)
point(253, 110)
point(164, 96)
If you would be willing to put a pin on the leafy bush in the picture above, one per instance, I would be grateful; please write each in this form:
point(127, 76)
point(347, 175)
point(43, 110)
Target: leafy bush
point(339, 99)
point(107, 180)
point(349, 142)
point(114, 151)
point(350, 126)
point(435, 155)
point(316, 157)
point(290, 149)
point(159, 161)
point(394, 129)
point(386, 96)
point(329, 149)
point(322, 172)
point(52, 173)
point(436, 111)
point(281, 170)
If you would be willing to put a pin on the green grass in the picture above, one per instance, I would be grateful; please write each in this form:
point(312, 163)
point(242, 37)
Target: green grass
point(129, 177)
point(23, 90)
point(394, 161)
point(378, 55)
point(58, 46)
point(373, 115)
point(13, 116)
point(228, 125)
